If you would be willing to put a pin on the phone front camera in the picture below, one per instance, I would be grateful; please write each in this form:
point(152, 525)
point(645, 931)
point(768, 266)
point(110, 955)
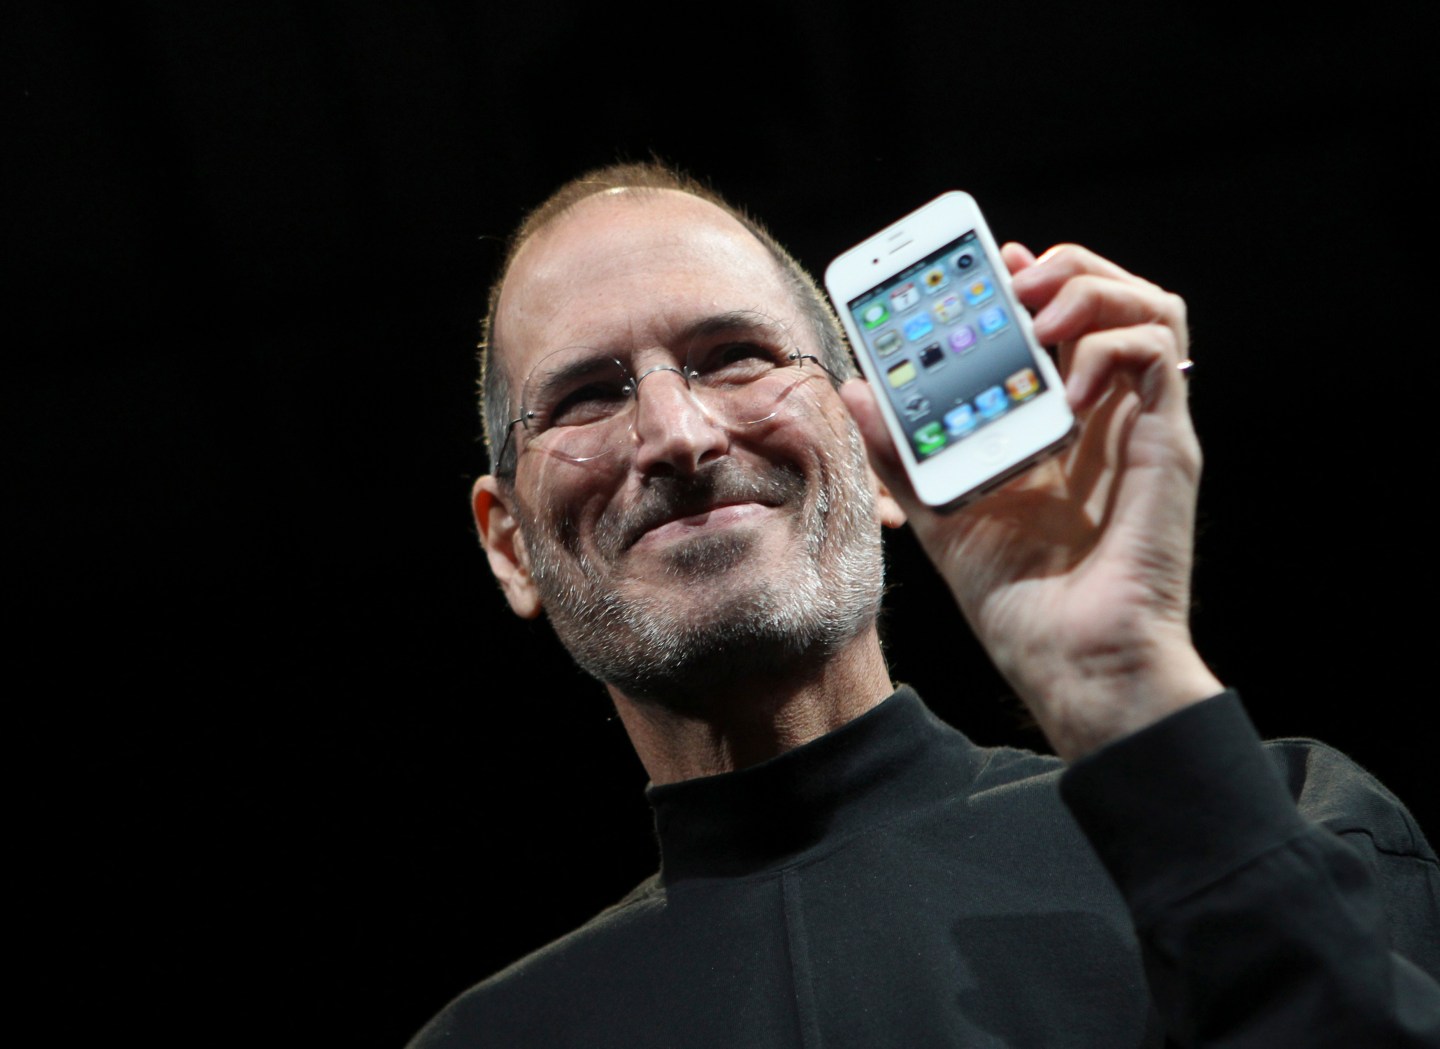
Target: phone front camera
point(875, 262)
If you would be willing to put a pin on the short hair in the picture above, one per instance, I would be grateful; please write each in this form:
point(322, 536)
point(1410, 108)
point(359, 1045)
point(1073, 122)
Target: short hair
point(495, 384)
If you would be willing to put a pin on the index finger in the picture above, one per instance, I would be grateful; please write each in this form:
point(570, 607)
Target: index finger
point(1037, 284)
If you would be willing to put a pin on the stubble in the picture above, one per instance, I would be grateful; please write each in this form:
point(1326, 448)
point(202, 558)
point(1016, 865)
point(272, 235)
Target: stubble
point(721, 621)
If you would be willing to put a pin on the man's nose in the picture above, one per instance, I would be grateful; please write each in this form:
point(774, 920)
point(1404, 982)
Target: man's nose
point(675, 431)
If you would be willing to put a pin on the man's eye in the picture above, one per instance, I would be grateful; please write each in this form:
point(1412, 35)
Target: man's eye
point(590, 403)
point(737, 362)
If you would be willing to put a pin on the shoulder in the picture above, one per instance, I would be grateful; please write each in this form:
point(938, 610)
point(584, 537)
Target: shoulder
point(510, 1007)
point(1332, 790)
point(1328, 787)
point(1010, 767)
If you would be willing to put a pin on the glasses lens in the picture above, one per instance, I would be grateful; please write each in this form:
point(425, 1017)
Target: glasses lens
point(745, 382)
point(573, 400)
point(581, 404)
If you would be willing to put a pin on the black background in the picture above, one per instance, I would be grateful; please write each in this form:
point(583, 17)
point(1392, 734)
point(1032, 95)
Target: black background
point(289, 768)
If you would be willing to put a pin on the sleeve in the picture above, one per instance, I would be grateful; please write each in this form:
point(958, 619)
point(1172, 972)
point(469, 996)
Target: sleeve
point(1262, 927)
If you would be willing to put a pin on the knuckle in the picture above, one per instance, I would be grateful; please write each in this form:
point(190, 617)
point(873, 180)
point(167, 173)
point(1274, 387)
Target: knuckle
point(1164, 339)
point(1065, 257)
point(1191, 458)
point(1085, 290)
point(1175, 309)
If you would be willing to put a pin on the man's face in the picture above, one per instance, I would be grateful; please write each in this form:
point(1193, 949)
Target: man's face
point(696, 547)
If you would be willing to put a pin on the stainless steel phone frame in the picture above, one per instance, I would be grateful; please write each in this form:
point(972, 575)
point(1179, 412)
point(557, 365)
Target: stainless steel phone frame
point(1003, 448)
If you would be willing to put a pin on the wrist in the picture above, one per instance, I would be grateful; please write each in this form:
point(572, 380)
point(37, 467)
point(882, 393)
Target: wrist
point(1104, 697)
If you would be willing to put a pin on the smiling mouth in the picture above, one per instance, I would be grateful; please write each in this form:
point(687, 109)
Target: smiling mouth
point(720, 515)
point(723, 495)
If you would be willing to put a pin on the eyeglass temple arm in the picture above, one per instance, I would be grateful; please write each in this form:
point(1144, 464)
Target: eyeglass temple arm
point(798, 356)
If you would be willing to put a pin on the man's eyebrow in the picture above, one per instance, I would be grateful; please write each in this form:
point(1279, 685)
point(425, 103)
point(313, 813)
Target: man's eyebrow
point(732, 322)
point(744, 322)
point(571, 369)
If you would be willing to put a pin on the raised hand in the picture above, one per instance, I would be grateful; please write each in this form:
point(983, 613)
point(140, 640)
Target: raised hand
point(1076, 576)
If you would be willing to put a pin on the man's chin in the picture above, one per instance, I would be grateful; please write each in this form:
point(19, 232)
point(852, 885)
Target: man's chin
point(708, 556)
point(709, 613)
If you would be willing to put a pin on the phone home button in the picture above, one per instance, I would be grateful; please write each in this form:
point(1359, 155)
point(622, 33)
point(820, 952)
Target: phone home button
point(994, 448)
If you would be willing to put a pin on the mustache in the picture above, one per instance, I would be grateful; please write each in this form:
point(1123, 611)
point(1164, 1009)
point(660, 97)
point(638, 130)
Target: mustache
point(666, 498)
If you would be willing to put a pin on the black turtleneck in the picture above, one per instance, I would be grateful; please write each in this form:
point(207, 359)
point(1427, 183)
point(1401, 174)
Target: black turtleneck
point(893, 884)
point(892, 759)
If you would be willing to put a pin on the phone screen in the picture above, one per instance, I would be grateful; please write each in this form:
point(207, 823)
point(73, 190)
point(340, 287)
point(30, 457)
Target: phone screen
point(953, 356)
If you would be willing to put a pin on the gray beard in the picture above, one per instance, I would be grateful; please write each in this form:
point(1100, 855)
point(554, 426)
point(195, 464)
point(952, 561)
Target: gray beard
point(662, 651)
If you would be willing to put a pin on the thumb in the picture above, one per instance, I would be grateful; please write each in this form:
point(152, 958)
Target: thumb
point(859, 398)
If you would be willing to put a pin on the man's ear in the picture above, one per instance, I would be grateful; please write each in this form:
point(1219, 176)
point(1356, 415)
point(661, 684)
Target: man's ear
point(504, 545)
point(886, 508)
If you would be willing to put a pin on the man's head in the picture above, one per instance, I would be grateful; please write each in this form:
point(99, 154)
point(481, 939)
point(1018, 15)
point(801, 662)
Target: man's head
point(701, 543)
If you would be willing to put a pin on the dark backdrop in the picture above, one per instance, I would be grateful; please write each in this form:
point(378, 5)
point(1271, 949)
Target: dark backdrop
point(290, 769)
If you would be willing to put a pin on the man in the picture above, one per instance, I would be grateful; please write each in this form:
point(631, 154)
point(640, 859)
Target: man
point(837, 868)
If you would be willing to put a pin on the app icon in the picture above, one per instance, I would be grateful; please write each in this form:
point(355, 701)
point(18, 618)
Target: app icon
point(929, 438)
point(962, 339)
point(948, 308)
point(1022, 384)
point(874, 315)
point(979, 290)
point(932, 356)
point(935, 278)
point(992, 402)
point(905, 296)
point(963, 261)
point(903, 373)
point(887, 342)
point(960, 421)
point(992, 320)
point(917, 406)
point(917, 327)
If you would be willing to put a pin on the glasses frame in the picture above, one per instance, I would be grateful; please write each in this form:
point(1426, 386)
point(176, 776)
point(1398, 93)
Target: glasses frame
point(632, 389)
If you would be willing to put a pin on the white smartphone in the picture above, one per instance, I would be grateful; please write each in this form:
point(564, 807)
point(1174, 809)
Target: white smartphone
point(970, 397)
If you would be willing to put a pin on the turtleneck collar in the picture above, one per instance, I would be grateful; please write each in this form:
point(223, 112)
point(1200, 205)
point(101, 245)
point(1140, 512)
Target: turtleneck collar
point(892, 758)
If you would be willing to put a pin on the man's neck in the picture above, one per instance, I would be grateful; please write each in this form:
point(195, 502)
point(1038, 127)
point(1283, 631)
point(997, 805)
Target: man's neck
point(757, 718)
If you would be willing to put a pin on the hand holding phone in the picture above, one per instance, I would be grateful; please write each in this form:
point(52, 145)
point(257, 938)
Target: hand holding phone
point(1076, 578)
point(970, 398)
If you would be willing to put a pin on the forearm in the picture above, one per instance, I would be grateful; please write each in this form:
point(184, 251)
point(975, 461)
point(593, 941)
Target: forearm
point(1259, 928)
